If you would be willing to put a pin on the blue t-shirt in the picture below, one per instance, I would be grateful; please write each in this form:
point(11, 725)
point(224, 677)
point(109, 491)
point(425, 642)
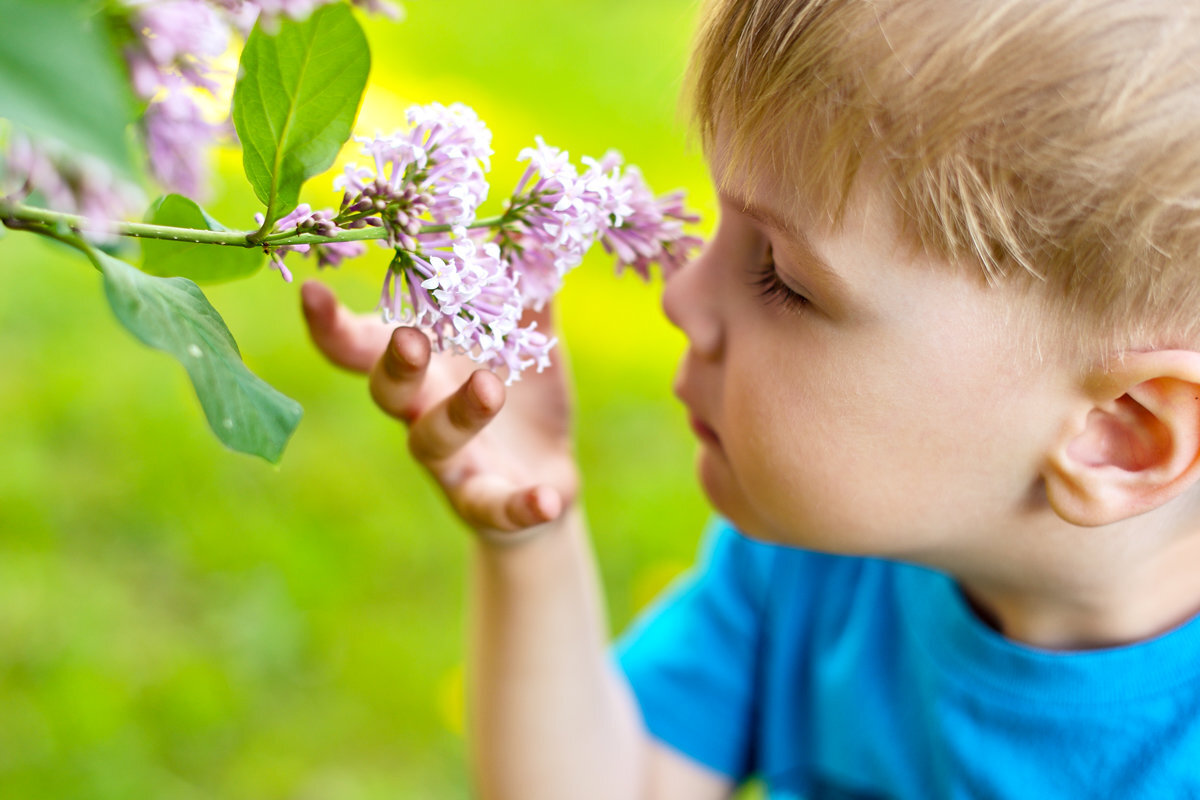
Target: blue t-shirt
point(838, 677)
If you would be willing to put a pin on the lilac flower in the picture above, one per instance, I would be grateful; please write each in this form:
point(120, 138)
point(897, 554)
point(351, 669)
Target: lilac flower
point(171, 54)
point(270, 11)
point(304, 220)
point(424, 186)
point(70, 182)
point(387, 9)
point(558, 215)
point(387, 196)
point(179, 35)
point(332, 254)
point(240, 13)
point(459, 147)
point(467, 299)
point(177, 137)
point(642, 229)
point(538, 268)
point(169, 57)
point(431, 174)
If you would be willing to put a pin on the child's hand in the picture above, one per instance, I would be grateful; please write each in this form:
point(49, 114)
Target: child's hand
point(501, 472)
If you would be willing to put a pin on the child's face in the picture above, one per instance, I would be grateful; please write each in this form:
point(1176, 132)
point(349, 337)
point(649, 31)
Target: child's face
point(896, 410)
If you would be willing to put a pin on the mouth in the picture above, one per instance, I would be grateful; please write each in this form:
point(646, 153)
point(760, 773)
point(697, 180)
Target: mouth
point(703, 432)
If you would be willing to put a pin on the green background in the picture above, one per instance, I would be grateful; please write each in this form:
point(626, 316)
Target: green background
point(179, 621)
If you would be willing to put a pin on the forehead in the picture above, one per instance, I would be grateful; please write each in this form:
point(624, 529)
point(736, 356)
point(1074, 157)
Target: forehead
point(783, 171)
point(782, 182)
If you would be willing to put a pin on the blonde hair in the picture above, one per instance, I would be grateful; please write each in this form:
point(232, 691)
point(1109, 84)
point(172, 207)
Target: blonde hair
point(1056, 141)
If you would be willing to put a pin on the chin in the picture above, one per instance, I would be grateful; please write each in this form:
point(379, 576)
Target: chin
point(727, 499)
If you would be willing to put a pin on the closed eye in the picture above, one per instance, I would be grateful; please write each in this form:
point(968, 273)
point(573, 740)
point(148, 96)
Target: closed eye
point(771, 288)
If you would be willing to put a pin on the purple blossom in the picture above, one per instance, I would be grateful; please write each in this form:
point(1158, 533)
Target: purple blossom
point(644, 230)
point(562, 211)
point(240, 13)
point(169, 58)
point(303, 219)
point(383, 7)
point(468, 283)
point(559, 213)
point(244, 12)
point(177, 35)
point(332, 254)
point(177, 138)
point(433, 173)
point(459, 147)
point(467, 299)
point(387, 195)
point(70, 182)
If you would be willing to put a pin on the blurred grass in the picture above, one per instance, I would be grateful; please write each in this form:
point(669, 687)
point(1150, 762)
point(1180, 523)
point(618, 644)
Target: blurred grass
point(178, 621)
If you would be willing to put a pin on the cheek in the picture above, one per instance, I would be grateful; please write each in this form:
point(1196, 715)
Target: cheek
point(877, 448)
point(795, 444)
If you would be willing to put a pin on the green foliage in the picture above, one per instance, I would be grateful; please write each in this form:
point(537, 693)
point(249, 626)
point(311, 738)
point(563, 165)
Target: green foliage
point(296, 100)
point(201, 263)
point(60, 77)
point(173, 315)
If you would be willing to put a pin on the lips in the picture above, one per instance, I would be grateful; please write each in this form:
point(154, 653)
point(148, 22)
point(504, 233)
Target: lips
point(702, 431)
point(684, 390)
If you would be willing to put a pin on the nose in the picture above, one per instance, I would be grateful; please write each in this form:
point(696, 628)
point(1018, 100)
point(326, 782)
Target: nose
point(690, 301)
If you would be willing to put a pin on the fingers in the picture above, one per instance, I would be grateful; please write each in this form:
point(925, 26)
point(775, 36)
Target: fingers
point(488, 503)
point(399, 373)
point(446, 427)
point(345, 339)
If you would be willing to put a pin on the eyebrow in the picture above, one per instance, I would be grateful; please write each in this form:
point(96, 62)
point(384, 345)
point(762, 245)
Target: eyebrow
point(773, 220)
point(767, 217)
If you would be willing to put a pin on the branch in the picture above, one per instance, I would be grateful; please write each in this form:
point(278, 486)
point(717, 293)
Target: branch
point(19, 216)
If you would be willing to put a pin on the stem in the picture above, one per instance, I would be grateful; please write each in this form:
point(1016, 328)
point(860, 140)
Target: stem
point(42, 229)
point(14, 214)
point(20, 212)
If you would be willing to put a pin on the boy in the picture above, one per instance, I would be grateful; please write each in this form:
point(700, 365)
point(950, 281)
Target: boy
point(944, 370)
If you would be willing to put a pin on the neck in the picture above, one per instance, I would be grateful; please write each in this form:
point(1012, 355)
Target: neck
point(1104, 593)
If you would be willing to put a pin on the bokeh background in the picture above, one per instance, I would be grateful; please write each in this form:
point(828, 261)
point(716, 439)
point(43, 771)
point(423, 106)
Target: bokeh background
point(178, 621)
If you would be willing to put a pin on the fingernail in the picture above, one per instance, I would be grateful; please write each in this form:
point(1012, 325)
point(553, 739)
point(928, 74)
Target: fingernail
point(484, 400)
point(402, 351)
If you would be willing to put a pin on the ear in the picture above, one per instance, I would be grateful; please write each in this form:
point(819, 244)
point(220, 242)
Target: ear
point(1134, 445)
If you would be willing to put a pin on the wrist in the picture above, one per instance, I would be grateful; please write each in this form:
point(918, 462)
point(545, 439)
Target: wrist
point(500, 544)
point(511, 540)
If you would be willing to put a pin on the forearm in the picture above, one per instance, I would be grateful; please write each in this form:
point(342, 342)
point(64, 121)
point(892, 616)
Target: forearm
point(549, 717)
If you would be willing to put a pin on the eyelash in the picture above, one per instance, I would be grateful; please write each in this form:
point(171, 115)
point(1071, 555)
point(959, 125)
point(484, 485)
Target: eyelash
point(774, 290)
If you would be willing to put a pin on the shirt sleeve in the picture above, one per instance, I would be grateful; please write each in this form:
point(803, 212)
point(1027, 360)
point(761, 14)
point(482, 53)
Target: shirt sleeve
point(692, 659)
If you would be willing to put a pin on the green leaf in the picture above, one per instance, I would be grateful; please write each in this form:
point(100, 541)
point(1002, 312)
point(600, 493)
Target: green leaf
point(296, 99)
point(202, 263)
point(173, 315)
point(61, 77)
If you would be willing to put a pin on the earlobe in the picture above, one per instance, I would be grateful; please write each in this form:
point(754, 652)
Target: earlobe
point(1134, 446)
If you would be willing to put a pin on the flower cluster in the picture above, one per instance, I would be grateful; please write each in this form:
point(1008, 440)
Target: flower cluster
point(68, 181)
point(468, 280)
point(468, 299)
point(170, 50)
point(245, 12)
point(559, 213)
point(432, 174)
point(170, 56)
point(169, 59)
point(304, 220)
point(649, 230)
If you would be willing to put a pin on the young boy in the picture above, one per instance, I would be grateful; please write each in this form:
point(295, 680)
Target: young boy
point(944, 370)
